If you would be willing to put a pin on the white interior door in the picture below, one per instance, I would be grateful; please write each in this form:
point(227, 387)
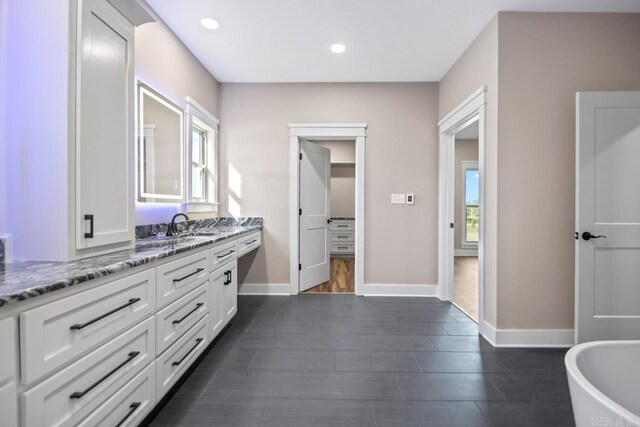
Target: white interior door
point(315, 208)
point(608, 216)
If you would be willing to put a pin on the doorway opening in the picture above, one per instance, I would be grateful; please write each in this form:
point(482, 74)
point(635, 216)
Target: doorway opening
point(461, 207)
point(341, 235)
point(466, 220)
point(327, 245)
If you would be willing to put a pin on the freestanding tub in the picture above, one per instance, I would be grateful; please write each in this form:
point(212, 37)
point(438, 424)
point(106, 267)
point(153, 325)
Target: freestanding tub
point(604, 381)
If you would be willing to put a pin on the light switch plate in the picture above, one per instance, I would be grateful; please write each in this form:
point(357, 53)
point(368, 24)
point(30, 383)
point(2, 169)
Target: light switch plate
point(410, 199)
point(397, 199)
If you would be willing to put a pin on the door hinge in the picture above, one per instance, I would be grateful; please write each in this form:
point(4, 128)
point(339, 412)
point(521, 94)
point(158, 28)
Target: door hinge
point(450, 225)
point(300, 156)
point(300, 211)
point(299, 267)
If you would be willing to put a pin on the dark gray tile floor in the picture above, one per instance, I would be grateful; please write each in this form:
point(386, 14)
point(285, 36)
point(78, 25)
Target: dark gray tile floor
point(325, 360)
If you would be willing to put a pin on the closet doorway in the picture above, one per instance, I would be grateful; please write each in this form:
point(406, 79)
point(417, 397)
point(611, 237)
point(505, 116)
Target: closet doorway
point(327, 244)
point(342, 209)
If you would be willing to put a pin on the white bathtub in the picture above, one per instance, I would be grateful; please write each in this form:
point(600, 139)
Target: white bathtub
point(604, 380)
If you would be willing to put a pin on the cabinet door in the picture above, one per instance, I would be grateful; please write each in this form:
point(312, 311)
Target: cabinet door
point(9, 405)
point(104, 126)
point(230, 291)
point(216, 301)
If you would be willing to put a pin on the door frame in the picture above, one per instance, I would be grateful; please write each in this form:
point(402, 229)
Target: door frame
point(470, 110)
point(323, 132)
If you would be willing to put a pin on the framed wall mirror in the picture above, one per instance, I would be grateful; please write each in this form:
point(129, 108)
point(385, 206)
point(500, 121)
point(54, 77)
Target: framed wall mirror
point(160, 148)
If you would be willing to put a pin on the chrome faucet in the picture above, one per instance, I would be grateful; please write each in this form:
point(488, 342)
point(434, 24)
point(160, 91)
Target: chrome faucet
point(172, 230)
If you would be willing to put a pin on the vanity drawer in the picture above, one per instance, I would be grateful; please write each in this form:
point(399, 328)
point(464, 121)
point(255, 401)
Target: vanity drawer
point(339, 248)
point(180, 277)
point(176, 360)
point(342, 225)
point(9, 405)
point(56, 333)
point(249, 243)
point(8, 349)
point(173, 321)
point(341, 236)
point(77, 391)
point(222, 254)
point(129, 406)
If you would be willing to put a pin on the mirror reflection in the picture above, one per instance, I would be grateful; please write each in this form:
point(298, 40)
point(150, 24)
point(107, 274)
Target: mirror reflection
point(160, 148)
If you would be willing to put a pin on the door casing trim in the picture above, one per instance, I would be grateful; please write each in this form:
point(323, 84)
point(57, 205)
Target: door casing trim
point(470, 110)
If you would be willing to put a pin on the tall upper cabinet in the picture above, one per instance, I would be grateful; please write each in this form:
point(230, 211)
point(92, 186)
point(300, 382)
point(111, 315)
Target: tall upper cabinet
point(70, 119)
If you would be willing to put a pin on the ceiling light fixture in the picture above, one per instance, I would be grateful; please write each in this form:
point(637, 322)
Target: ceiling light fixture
point(209, 23)
point(338, 48)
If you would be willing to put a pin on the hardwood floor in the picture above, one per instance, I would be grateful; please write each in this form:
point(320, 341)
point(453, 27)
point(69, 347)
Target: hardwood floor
point(465, 285)
point(342, 278)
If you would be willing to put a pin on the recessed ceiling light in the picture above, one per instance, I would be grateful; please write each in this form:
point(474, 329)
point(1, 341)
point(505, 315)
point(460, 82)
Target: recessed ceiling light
point(209, 23)
point(338, 48)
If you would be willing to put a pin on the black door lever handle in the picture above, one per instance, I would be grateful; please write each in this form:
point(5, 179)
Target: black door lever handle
point(588, 236)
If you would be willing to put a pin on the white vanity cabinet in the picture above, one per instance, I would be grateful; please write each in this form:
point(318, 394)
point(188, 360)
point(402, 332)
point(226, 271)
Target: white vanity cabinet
point(72, 160)
point(224, 296)
point(8, 373)
point(105, 354)
point(230, 291)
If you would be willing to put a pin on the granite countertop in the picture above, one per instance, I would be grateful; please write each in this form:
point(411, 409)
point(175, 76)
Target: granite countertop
point(20, 281)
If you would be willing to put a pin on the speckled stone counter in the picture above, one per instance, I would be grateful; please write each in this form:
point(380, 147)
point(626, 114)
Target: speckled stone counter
point(20, 281)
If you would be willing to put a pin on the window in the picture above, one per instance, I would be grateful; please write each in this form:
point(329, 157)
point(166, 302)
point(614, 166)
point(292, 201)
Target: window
point(470, 204)
point(202, 173)
point(198, 163)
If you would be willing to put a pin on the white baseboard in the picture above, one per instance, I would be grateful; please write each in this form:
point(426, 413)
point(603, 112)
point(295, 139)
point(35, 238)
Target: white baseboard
point(541, 338)
point(465, 252)
point(264, 289)
point(399, 290)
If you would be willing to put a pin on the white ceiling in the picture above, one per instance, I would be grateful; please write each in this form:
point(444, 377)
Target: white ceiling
point(386, 40)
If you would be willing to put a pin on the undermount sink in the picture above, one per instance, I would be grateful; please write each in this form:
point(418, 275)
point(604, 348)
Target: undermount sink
point(165, 240)
point(206, 233)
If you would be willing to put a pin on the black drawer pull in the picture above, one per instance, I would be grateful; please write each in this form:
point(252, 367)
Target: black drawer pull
point(178, 362)
point(343, 247)
point(198, 305)
point(343, 237)
point(227, 274)
point(79, 394)
point(343, 226)
point(132, 409)
point(226, 255)
point(188, 275)
point(89, 235)
point(82, 325)
point(251, 242)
